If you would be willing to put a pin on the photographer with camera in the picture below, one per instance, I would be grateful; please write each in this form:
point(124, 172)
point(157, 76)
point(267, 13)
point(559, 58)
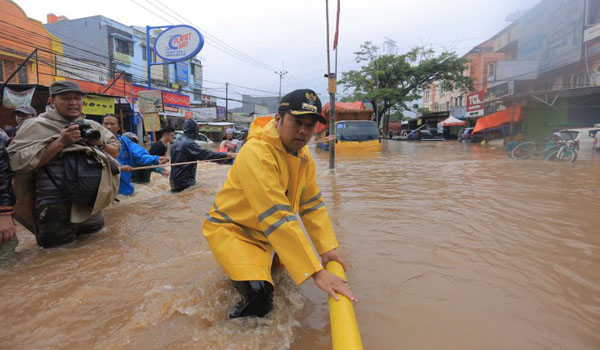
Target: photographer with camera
point(64, 166)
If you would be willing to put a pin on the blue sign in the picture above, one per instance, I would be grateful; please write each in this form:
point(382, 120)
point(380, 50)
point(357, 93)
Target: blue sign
point(181, 73)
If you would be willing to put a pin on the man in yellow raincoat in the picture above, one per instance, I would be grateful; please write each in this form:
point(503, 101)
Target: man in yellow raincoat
point(254, 216)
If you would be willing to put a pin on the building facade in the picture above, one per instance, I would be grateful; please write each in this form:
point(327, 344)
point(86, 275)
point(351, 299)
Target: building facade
point(21, 37)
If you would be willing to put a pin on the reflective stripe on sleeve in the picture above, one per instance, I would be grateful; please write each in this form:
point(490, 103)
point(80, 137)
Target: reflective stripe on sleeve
point(272, 210)
point(315, 198)
point(310, 210)
point(276, 225)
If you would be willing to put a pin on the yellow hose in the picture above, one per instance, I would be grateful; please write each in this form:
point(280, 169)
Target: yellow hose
point(344, 329)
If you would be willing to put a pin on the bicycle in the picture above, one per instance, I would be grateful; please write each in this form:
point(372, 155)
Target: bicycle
point(564, 151)
point(567, 152)
point(527, 149)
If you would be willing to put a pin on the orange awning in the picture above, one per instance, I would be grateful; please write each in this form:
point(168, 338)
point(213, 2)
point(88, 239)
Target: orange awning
point(341, 106)
point(498, 119)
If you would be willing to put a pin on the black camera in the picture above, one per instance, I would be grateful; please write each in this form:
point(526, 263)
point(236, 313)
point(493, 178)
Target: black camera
point(92, 135)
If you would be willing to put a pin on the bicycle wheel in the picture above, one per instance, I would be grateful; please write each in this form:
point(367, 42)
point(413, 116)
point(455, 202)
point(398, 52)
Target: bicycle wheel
point(562, 154)
point(523, 150)
point(567, 155)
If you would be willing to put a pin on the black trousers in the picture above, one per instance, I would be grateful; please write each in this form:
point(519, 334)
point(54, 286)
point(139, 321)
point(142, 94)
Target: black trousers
point(54, 224)
point(257, 299)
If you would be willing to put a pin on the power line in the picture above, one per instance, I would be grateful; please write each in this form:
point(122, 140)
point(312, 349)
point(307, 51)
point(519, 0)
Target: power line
point(15, 37)
point(218, 44)
point(258, 62)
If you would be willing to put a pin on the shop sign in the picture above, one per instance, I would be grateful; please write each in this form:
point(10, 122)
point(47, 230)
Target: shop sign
point(176, 99)
point(151, 121)
point(98, 105)
point(178, 43)
point(474, 101)
point(181, 72)
point(150, 101)
point(221, 113)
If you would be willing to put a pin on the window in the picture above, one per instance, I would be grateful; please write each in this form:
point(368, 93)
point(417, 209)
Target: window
point(491, 71)
point(145, 55)
point(128, 77)
point(9, 69)
point(593, 12)
point(22, 75)
point(427, 94)
point(1, 72)
point(124, 47)
point(196, 72)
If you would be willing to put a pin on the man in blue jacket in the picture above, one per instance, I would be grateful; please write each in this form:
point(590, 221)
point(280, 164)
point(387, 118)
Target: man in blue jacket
point(130, 153)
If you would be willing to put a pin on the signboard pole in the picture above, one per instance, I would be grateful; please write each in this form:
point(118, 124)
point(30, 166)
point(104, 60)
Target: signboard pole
point(148, 57)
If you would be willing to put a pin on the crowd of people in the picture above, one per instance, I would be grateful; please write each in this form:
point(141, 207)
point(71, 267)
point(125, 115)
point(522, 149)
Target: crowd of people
point(63, 169)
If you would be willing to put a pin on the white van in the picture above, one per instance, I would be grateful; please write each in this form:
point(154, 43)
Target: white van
point(584, 136)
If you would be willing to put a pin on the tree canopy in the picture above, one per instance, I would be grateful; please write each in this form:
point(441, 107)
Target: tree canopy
point(397, 80)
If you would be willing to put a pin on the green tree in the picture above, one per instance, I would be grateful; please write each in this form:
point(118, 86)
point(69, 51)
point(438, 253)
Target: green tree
point(397, 80)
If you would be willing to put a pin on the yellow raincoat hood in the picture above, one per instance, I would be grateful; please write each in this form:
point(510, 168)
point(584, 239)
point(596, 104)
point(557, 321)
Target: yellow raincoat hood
point(256, 212)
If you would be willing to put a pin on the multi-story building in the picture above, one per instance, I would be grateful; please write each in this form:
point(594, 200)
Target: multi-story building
point(100, 49)
point(545, 64)
point(440, 97)
point(21, 36)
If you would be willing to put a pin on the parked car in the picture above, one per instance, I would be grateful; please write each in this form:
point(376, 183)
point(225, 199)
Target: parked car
point(426, 135)
point(201, 139)
point(583, 136)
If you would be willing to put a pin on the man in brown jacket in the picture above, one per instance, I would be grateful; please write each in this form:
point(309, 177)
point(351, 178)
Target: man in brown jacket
point(47, 157)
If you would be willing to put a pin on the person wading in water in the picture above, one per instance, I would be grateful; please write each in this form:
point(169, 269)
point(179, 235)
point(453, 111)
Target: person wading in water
point(254, 215)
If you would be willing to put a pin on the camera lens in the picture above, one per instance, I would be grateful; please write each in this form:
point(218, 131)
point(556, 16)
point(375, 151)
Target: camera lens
point(92, 135)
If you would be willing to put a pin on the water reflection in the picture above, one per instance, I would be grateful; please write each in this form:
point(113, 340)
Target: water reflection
point(452, 246)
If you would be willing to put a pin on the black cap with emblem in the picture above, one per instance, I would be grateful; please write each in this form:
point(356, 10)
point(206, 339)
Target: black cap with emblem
point(302, 102)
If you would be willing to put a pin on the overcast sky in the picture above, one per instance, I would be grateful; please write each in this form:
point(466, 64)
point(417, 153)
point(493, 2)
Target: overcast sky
point(293, 32)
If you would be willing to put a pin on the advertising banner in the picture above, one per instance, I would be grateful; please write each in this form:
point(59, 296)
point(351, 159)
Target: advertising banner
point(552, 33)
point(98, 105)
point(151, 122)
point(150, 101)
point(205, 114)
point(474, 101)
point(13, 99)
point(221, 113)
point(178, 43)
point(176, 99)
point(181, 73)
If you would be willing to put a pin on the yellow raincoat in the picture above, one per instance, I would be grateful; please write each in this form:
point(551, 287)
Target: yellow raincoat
point(255, 213)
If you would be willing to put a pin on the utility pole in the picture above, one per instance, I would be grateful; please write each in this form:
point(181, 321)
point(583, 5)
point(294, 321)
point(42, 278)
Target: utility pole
point(227, 101)
point(281, 73)
point(331, 88)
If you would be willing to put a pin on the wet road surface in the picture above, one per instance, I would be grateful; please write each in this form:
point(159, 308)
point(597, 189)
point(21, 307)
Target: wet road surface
point(451, 246)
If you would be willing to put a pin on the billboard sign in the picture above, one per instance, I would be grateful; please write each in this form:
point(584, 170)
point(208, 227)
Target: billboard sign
point(221, 113)
point(174, 99)
point(150, 101)
point(475, 104)
point(178, 43)
point(181, 73)
point(98, 105)
point(552, 33)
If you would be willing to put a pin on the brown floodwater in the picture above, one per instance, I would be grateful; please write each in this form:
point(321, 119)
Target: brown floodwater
point(451, 246)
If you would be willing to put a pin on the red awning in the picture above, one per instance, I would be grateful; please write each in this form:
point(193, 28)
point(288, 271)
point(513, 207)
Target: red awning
point(498, 119)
